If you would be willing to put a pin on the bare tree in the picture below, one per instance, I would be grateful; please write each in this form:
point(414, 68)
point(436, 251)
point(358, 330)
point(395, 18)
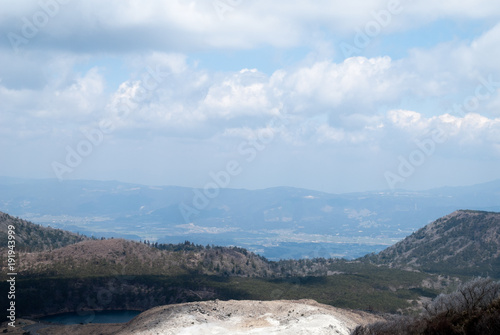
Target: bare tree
point(475, 294)
point(474, 308)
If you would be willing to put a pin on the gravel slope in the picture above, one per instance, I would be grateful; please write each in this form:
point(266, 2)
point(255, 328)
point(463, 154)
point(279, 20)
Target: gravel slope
point(246, 317)
point(233, 317)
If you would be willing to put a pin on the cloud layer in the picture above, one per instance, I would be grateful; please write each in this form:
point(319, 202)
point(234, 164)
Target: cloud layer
point(340, 122)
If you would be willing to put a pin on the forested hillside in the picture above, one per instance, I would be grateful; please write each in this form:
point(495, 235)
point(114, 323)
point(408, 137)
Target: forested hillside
point(33, 237)
point(462, 243)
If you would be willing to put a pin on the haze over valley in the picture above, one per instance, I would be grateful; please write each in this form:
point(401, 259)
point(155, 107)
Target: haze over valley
point(276, 222)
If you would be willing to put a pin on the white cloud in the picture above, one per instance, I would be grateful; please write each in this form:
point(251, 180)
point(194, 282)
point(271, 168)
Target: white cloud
point(81, 97)
point(357, 82)
point(406, 119)
point(241, 93)
point(472, 130)
point(186, 25)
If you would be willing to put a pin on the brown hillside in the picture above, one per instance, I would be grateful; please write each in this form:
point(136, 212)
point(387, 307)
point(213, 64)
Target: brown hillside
point(464, 242)
point(118, 256)
point(33, 237)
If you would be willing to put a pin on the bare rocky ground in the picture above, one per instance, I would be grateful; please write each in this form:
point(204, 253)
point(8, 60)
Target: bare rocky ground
point(231, 317)
point(18, 327)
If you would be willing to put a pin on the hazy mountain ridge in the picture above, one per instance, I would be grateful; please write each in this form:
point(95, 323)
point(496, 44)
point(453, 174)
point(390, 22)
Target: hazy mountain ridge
point(464, 242)
point(279, 222)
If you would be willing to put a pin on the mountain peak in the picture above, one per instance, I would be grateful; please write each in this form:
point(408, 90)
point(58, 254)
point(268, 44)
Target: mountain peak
point(464, 242)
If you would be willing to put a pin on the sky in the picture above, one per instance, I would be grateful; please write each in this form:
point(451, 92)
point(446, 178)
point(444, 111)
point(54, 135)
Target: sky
point(333, 96)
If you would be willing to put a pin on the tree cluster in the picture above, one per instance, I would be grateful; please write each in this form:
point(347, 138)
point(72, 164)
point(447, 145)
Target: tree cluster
point(474, 308)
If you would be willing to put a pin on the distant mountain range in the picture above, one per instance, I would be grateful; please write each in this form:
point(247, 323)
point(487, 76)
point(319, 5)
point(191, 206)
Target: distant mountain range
point(278, 222)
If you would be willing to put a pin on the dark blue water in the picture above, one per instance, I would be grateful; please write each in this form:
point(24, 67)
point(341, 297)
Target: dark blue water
point(91, 317)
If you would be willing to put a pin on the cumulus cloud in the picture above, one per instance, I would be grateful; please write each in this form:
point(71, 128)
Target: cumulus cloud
point(241, 93)
point(472, 132)
point(166, 91)
point(354, 84)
